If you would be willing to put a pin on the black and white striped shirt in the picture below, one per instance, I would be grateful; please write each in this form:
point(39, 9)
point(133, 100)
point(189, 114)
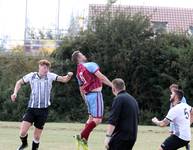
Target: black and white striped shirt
point(40, 89)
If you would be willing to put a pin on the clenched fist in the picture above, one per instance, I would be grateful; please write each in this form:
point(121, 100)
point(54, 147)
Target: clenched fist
point(13, 97)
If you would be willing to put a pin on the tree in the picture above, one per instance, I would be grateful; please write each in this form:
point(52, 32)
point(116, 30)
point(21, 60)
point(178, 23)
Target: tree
point(124, 46)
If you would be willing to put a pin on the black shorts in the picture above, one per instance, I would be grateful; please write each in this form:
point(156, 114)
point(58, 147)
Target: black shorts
point(119, 144)
point(38, 116)
point(173, 143)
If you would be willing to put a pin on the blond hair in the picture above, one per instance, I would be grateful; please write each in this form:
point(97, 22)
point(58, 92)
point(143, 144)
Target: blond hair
point(175, 86)
point(75, 56)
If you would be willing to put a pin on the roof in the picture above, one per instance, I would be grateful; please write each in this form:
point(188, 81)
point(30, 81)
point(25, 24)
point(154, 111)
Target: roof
point(178, 19)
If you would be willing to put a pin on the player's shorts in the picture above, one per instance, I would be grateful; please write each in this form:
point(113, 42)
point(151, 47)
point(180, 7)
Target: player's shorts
point(173, 143)
point(95, 104)
point(36, 116)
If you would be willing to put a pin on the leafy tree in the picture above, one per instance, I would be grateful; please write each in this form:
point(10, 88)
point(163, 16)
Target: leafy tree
point(124, 46)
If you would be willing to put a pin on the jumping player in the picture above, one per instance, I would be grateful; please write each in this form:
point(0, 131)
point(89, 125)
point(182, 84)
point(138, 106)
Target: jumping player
point(181, 114)
point(37, 112)
point(90, 80)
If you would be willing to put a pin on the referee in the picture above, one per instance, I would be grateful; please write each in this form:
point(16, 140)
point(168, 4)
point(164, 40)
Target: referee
point(39, 101)
point(123, 120)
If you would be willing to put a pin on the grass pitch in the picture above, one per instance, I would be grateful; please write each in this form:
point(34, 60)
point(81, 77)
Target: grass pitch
point(59, 136)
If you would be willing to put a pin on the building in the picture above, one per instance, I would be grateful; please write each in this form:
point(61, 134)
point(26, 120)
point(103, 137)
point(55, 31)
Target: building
point(178, 20)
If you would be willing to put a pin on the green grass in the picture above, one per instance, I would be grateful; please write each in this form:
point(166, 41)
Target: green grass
point(59, 136)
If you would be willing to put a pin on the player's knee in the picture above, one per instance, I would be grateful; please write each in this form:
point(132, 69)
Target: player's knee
point(90, 118)
point(23, 133)
point(97, 120)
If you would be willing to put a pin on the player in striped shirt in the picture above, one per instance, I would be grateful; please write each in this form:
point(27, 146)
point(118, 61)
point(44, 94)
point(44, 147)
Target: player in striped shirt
point(37, 112)
point(90, 81)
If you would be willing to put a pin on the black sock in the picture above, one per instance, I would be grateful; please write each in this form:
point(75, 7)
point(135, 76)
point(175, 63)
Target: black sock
point(188, 146)
point(24, 140)
point(35, 146)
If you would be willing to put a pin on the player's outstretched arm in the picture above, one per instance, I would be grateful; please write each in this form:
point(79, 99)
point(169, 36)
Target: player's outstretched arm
point(65, 78)
point(103, 78)
point(162, 123)
point(16, 89)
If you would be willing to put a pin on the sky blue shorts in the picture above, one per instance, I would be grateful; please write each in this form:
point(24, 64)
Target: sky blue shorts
point(95, 104)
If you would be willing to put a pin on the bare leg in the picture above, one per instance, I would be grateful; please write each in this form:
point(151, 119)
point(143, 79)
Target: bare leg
point(24, 127)
point(97, 120)
point(36, 140)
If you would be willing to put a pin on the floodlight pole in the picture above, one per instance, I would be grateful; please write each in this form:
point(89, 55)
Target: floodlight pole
point(58, 21)
point(26, 21)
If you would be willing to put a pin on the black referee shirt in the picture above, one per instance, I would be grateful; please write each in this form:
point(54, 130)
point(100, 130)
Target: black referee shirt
point(124, 116)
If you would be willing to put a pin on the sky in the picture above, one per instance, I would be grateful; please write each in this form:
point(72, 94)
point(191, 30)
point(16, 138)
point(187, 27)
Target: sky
point(43, 13)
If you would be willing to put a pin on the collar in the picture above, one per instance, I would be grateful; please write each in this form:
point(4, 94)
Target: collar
point(80, 63)
point(38, 75)
point(123, 91)
point(177, 103)
point(42, 76)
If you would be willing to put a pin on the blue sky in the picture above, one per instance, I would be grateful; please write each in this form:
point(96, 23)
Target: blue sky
point(43, 13)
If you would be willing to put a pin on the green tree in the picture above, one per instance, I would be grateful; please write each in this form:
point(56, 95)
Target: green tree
point(124, 46)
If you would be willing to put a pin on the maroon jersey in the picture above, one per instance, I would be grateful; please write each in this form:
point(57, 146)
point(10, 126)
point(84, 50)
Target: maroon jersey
point(87, 78)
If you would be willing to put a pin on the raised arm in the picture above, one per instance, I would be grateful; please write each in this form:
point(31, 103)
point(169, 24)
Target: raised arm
point(65, 78)
point(103, 78)
point(16, 89)
point(162, 123)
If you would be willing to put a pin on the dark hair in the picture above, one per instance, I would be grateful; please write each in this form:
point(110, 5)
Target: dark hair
point(179, 94)
point(119, 84)
point(75, 56)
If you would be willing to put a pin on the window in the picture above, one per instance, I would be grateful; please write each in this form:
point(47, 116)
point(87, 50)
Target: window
point(159, 27)
point(191, 30)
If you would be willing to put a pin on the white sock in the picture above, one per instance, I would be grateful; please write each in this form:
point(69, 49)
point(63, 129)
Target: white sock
point(23, 136)
point(35, 141)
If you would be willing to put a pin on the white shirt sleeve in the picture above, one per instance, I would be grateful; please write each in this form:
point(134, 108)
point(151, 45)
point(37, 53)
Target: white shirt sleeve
point(171, 114)
point(52, 76)
point(27, 77)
